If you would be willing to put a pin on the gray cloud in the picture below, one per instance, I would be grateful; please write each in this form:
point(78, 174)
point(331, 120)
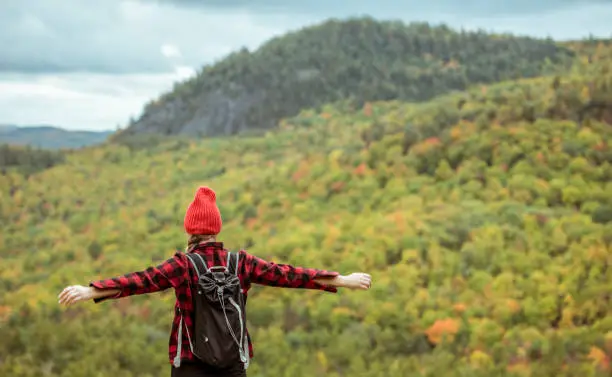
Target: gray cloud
point(57, 36)
point(123, 37)
point(119, 36)
point(389, 8)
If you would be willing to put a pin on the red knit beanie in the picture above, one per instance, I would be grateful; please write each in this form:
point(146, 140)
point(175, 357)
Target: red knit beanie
point(203, 216)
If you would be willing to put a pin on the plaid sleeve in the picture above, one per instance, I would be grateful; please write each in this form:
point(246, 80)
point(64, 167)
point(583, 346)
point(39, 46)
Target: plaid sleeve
point(272, 274)
point(170, 273)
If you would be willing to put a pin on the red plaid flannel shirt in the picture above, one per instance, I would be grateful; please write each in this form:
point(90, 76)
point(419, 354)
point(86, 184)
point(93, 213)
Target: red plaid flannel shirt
point(174, 273)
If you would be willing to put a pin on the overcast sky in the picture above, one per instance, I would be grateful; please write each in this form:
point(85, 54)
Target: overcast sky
point(91, 64)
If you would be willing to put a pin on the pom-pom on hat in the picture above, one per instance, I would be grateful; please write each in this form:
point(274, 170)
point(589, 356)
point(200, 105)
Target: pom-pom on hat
point(203, 216)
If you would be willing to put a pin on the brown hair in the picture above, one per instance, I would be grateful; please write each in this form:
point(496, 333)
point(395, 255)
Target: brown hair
point(196, 239)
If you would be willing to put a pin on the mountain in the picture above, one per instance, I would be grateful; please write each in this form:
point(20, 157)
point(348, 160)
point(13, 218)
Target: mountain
point(484, 217)
point(360, 59)
point(7, 128)
point(50, 137)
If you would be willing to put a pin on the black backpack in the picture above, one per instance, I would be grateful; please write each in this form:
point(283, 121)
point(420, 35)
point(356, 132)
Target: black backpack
point(219, 314)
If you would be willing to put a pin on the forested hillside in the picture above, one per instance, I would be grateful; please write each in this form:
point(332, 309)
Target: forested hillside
point(359, 59)
point(27, 160)
point(484, 217)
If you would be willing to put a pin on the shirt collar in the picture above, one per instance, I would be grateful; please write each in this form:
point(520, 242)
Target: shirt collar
point(209, 244)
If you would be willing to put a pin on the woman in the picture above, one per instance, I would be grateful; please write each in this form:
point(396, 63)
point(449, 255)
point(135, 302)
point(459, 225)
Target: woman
point(203, 223)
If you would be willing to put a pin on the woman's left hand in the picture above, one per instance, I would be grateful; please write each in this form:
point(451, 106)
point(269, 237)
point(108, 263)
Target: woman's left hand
point(357, 280)
point(75, 293)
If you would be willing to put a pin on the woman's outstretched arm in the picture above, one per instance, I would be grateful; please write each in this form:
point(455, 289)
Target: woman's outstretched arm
point(273, 274)
point(170, 273)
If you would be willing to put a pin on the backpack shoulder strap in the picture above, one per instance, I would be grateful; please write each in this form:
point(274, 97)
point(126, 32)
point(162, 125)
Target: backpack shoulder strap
point(232, 263)
point(199, 264)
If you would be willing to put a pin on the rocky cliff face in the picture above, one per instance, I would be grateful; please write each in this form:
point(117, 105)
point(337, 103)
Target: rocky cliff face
point(209, 114)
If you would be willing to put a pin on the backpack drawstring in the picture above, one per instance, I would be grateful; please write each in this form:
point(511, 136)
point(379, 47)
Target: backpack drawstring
point(243, 351)
point(179, 347)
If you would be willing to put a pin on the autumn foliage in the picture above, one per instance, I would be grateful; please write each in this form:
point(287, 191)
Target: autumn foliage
point(443, 329)
point(484, 217)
